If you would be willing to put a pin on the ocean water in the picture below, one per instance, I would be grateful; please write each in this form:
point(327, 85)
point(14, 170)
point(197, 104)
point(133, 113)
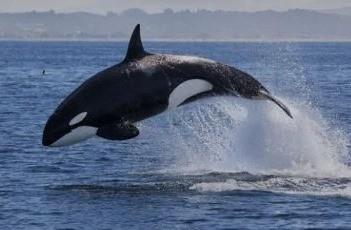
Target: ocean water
point(218, 163)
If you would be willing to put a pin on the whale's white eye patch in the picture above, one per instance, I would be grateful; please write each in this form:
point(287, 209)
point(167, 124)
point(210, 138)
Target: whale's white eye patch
point(78, 118)
point(186, 90)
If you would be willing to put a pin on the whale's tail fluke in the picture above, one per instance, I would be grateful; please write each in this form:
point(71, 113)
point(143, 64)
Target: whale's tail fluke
point(267, 95)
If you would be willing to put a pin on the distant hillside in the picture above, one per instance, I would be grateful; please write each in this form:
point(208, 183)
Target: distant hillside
point(341, 11)
point(186, 25)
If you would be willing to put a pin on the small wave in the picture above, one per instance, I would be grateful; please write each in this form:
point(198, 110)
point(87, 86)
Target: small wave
point(288, 185)
point(48, 169)
point(217, 182)
point(139, 188)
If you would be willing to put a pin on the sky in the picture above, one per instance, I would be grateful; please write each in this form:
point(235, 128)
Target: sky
point(151, 6)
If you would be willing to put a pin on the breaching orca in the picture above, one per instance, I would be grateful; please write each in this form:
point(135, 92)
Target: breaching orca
point(141, 86)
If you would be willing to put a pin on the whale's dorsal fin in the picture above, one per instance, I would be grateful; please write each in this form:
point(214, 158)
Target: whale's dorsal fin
point(135, 47)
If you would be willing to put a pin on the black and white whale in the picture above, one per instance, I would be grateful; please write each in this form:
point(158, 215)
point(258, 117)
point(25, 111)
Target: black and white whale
point(141, 86)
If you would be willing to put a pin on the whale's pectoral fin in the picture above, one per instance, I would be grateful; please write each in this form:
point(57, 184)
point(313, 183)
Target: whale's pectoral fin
point(122, 131)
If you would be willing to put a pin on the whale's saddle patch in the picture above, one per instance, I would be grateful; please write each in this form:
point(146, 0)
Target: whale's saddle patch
point(118, 131)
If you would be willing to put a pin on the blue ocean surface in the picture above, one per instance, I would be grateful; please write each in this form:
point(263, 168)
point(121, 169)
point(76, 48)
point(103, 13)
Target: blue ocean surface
point(218, 163)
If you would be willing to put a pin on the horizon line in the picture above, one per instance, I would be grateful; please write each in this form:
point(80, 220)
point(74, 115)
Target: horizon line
point(165, 10)
point(291, 40)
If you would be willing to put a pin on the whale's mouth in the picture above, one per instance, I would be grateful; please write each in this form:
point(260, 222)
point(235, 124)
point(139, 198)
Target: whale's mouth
point(50, 138)
point(51, 135)
point(268, 96)
point(54, 130)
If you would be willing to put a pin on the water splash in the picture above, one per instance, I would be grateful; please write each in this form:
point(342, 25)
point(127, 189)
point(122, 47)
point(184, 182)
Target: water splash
point(237, 135)
point(226, 135)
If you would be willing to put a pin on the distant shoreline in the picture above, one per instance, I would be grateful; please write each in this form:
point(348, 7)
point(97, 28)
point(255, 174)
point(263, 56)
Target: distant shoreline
point(295, 25)
point(179, 40)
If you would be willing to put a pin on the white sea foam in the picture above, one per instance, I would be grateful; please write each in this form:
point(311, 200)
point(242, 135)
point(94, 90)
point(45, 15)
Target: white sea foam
point(233, 135)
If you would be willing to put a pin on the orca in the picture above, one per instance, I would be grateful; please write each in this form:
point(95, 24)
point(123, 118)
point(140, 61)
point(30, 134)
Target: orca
point(141, 86)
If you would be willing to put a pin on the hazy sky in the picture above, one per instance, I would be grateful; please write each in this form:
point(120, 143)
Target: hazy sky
point(102, 6)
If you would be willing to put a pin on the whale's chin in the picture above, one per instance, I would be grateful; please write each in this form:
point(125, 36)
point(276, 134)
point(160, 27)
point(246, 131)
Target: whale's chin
point(76, 135)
